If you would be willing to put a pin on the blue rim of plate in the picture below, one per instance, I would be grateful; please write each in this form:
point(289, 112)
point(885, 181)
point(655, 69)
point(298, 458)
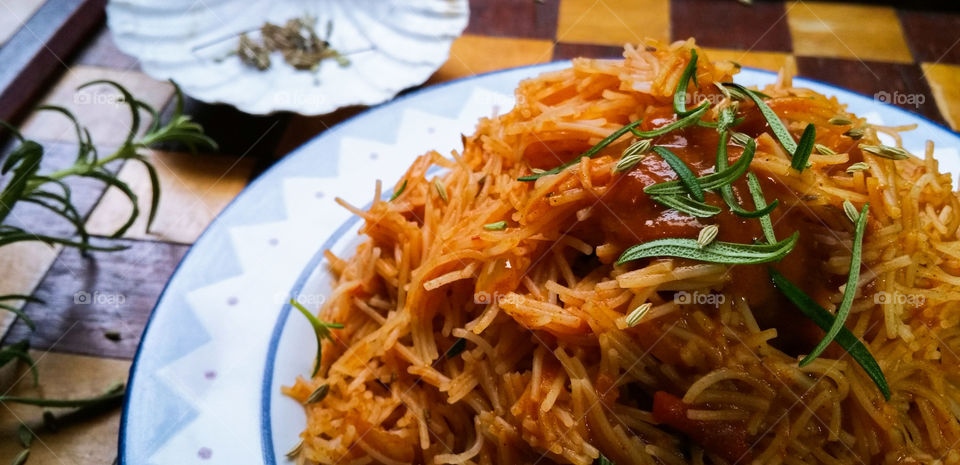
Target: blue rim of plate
point(266, 396)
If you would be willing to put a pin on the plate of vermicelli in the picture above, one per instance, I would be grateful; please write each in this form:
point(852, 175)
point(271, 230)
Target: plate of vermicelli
point(648, 260)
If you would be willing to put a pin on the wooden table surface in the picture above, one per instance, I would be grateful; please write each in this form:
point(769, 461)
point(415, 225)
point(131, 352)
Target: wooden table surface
point(869, 49)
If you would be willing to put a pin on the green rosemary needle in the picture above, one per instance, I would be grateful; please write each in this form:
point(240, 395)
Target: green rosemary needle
point(727, 253)
point(399, 191)
point(680, 94)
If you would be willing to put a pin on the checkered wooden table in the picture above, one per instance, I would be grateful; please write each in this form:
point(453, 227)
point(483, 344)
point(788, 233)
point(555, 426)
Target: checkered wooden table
point(911, 53)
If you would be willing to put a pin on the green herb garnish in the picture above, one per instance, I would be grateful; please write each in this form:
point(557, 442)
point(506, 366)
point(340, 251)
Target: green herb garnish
point(399, 191)
point(320, 328)
point(722, 177)
point(498, 226)
point(638, 313)
point(707, 235)
point(849, 291)
point(589, 153)
point(726, 190)
point(858, 166)
point(687, 178)
point(801, 158)
point(727, 253)
point(457, 348)
point(685, 204)
point(822, 318)
point(885, 151)
point(779, 130)
point(690, 119)
point(318, 394)
point(760, 203)
point(680, 94)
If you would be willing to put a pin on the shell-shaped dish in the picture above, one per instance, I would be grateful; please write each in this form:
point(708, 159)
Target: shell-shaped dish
point(391, 45)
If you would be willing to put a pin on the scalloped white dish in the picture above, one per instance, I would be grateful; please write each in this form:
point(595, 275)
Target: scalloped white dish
point(205, 385)
point(391, 45)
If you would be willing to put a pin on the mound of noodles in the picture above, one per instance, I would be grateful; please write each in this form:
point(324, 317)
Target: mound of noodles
point(550, 371)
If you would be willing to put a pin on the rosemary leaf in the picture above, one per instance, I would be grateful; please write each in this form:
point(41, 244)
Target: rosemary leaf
point(24, 435)
point(885, 151)
point(724, 175)
point(779, 130)
point(603, 461)
point(687, 178)
point(321, 330)
point(457, 348)
point(801, 157)
point(726, 190)
point(822, 318)
point(498, 226)
point(727, 253)
point(685, 204)
point(691, 118)
point(849, 291)
point(589, 153)
point(707, 235)
point(760, 203)
point(680, 94)
point(399, 191)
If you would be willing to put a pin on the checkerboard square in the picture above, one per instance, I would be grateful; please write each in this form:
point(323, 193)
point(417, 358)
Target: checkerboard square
point(514, 18)
point(761, 26)
point(841, 30)
point(933, 36)
point(613, 22)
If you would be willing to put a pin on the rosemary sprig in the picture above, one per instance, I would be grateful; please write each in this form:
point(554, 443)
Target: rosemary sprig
point(779, 130)
point(399, 191)
point(16, 310)
point(691, 118)
point(685, 204)
point(51, 192)
point(801, 158)
point(728, 253)
point(760, 203)
point(687, 178)
point(320, 328)
point(849, 291)
point(680, 94)
point(589, 153)
point(724, 175)
point(726, 190)
point(822, 318)
point(20, 351)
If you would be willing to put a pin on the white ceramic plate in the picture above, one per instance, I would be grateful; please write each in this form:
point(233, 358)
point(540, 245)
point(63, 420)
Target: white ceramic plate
point(391, 44)
point(205, 383)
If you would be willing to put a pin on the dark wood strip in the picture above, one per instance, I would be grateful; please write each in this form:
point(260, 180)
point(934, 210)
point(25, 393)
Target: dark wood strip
point(514, 18)
point(726, 24)
point(39, 50)
point(565, 51)
point(99, 304)
point(932, 36)
point(900, 84)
